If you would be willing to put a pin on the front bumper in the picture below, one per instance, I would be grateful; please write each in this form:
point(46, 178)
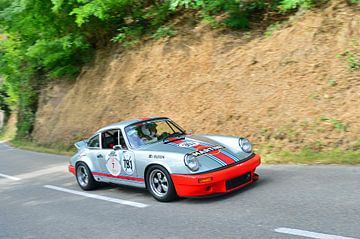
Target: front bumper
point(222, 181)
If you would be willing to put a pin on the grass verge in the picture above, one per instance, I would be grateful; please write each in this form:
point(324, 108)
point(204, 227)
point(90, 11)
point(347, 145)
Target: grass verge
point(307, 156)
point(33, 146)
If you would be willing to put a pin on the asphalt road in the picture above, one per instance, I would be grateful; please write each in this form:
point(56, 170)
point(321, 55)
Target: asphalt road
point(287, 202)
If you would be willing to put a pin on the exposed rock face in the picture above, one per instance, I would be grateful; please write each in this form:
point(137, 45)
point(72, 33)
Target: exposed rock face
point(291, 90)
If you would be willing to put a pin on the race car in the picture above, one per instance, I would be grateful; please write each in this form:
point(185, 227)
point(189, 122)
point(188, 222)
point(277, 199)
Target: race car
point(157, 154)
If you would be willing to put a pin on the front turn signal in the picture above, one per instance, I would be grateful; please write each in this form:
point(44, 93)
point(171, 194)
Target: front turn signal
point(205, 180)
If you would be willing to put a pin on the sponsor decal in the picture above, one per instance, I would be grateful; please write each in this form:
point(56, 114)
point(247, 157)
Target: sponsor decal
point(188, 144)
point(113, 165)
point(156, 156)
point(128, 163)
point(215, 153)
point(206, 150)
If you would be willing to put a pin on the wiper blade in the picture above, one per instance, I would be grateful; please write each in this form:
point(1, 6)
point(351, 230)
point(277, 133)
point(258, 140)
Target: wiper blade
point(173, 137)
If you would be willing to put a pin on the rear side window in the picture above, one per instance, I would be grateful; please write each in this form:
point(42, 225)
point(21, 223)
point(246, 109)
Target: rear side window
point(110, 138)
point(94, 142)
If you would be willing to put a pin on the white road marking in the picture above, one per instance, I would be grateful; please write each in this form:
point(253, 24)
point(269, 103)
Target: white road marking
point(10, 177)
point(104, 198)
point(7, 149)
point(297, 232)
point(60, 168)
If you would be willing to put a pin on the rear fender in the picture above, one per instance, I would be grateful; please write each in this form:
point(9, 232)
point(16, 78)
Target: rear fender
point(87, 161)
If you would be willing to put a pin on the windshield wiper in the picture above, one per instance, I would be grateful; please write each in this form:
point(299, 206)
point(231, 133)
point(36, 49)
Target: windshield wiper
point(175, 135)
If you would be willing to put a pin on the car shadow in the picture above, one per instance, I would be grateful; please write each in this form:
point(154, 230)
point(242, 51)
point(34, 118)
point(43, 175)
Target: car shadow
point(131, 191)
point(142, 192)
point(224, 196)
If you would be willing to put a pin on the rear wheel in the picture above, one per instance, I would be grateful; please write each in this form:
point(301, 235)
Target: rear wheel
point(84, 177)
point(160, 184)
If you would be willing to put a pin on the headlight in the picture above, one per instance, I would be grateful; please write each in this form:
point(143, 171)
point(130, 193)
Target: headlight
point(245, 145)
point(191, 162)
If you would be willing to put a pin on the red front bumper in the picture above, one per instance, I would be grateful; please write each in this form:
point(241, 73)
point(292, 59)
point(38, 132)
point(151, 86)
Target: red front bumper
point(189, 185)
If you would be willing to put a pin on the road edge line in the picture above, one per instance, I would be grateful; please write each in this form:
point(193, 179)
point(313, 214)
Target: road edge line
point(303, 233)
point(99, 197)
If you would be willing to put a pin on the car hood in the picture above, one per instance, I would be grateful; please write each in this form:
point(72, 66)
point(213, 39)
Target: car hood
point(210, 154)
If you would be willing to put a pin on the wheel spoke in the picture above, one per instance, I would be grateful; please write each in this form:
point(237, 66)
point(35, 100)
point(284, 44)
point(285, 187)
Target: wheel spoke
point(156, 180)
point(159, 188)
point(164, 187)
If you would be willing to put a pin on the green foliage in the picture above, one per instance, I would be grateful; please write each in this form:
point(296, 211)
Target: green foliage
point(164, 31)
point(286, 5)
point(128, 36)
point(332, 82)
point(36, 43)
point(59, 56)
point(3, 95)
point(175, 4)
point(337, 124)
point(352, 59)
point(354, 62)
point(237, 11)
point(272, 28)
point(43, 40)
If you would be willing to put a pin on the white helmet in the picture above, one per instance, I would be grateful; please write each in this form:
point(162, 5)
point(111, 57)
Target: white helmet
point(145, 130)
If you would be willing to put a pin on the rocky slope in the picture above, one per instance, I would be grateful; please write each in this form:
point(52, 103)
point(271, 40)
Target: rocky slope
point(291, 90)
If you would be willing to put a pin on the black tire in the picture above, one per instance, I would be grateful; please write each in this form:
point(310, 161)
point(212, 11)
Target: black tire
point(84, 177)
point(159, 184)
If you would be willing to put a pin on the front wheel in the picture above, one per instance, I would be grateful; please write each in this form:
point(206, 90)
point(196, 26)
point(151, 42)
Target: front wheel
point(160, 184)
point(84, 177)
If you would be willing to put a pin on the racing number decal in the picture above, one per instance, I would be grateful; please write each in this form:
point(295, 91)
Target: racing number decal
point(113, 164)
point(128, 163)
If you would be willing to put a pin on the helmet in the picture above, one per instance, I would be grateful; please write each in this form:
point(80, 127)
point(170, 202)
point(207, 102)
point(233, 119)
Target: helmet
point(149, 129)
point(145, 130)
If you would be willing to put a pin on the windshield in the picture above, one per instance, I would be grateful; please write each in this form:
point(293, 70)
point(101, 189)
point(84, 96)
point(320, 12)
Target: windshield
point(152, 131)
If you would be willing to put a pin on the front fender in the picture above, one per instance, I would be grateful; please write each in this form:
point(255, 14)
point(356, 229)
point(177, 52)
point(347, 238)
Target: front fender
point(230, 142)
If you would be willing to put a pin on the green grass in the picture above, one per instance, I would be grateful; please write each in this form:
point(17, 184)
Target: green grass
point(33, 146)
point(307, 156)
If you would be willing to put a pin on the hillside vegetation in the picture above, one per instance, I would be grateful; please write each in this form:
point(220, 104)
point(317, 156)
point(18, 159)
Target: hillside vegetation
point(284, 73)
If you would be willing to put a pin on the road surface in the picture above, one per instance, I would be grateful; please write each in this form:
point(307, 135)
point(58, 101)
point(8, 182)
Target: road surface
point(40, 199)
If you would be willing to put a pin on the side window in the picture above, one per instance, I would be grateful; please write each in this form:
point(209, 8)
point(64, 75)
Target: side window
point(94, 142)
point(110, 138)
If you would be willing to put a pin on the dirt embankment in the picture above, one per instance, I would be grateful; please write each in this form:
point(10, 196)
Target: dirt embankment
point(291, 90)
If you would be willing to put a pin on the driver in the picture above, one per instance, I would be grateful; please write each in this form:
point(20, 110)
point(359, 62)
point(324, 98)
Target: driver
point(149, 131)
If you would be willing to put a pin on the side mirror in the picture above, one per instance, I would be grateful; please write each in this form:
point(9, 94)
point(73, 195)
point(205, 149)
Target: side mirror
point(117, 147)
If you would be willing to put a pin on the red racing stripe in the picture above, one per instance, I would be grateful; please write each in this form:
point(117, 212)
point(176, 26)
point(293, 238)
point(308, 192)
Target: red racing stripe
point(175, 140)
point(144, 118)
point(120, 176)
point(226, 159)
point(222, 157)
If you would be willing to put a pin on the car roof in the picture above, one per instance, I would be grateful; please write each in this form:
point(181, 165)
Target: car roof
point(125, 123)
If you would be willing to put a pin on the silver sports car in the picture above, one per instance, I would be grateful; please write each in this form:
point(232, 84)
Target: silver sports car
point(157, 154)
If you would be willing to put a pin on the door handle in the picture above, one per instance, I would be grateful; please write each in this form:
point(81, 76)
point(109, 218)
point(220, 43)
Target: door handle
point(99, 156)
